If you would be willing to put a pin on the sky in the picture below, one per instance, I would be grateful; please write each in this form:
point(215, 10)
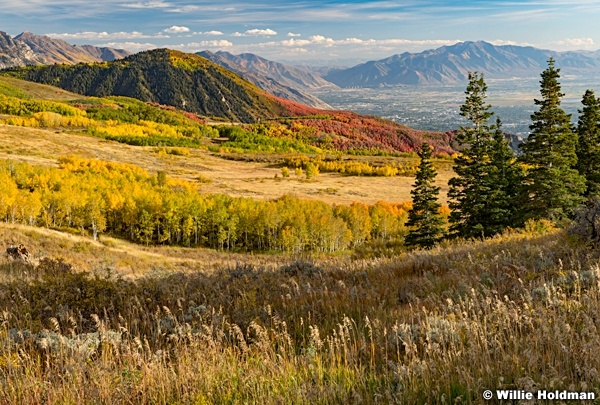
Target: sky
point(319, 33)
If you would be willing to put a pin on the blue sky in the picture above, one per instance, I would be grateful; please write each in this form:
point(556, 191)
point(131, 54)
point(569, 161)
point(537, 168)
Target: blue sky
point(308, 31)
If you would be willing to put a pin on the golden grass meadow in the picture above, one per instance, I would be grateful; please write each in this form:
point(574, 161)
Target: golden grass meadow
point(517, 311)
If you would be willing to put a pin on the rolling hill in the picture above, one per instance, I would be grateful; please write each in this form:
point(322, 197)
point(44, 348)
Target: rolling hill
point(186, 81)
point(276, 78)
point(451, 64)
point(291, 127)
point(194, 84)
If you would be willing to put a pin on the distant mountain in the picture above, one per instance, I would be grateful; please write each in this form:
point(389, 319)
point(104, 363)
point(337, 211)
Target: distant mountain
point(30, 49)
point(186, 81)
point(451, 64)
point(320, 70)
point(58, 51)
point(276, 78)
point(15, 53)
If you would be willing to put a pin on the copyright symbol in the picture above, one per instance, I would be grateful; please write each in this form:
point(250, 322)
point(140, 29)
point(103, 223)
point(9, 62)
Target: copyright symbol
point(487, 395)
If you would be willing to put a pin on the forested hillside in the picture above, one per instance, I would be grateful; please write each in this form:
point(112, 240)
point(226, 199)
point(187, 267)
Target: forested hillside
point(185, 81)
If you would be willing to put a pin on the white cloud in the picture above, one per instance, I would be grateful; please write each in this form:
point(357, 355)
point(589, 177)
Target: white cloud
point(148, 5)
point(255, 33)
point(215, 33)
point(350, 41)
point(320, 39)
point(175, 29)
point(575, 43)
point(130, 46)
point(294, 42)
point(96, 36)
point(221, 43)
point(298, 50)
point(292, 35)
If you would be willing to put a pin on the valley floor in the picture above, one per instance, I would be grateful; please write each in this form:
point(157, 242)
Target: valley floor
point(235, 178)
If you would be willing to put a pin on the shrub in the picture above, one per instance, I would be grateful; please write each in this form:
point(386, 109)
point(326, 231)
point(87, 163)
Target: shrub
point(587, 221)
point(312, 170)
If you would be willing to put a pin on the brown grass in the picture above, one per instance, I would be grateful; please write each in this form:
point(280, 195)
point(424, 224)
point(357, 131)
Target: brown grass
point(515, 312)
point(248, 179)
point(124, 258)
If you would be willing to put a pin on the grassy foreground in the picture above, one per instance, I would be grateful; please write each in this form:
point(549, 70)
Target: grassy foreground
point(519, 311)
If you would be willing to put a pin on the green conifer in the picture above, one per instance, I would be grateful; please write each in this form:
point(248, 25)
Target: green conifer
point(588, 147)
point(469, 191)
point(552, 187)
point(427, 226)
point(504, 177)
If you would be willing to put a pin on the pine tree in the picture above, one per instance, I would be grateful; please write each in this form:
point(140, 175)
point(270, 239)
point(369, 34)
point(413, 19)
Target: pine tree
point(427, 226)
point(503, 179)
point(552, 187)
point(468, 190)
point(588, 147)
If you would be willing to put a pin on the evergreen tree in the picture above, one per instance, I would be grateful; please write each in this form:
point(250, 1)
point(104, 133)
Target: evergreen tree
point(504, 178)
point(468, 190)
point(588, 147)
point(427, 226)
point(552, 187)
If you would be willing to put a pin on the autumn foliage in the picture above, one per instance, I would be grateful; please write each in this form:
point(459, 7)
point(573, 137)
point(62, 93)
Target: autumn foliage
point(94, 197)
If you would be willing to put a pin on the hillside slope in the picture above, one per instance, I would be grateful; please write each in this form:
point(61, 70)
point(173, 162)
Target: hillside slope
point(168, 77)
point(15, 53)
point(195, 85)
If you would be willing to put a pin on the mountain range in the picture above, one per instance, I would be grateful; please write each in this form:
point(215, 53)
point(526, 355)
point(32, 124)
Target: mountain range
point(276, 78)
point(31, 49)
point(451, 64)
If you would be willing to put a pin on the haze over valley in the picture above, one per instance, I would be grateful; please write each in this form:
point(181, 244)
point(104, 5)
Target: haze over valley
point(436, 107)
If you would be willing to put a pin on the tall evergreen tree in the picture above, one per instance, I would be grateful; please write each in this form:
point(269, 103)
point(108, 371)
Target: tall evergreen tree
point(504, 178)
point(427, 226)
point(552, 185)
point(468, 190)
point(588, 147)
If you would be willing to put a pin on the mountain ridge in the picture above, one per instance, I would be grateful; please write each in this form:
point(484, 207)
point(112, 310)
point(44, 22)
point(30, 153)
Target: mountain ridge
point(32, 49)
point(276, 78)
point(451, 63)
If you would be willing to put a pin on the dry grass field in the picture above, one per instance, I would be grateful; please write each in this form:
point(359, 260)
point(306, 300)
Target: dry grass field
point(236, 178)
point(124, 258)
point(516, 312)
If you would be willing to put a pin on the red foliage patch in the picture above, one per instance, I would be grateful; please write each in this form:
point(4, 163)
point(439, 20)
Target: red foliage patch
point(347, 131)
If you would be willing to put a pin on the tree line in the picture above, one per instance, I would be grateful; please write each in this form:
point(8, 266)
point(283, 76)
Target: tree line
point(558, 169)
point(95, 197)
